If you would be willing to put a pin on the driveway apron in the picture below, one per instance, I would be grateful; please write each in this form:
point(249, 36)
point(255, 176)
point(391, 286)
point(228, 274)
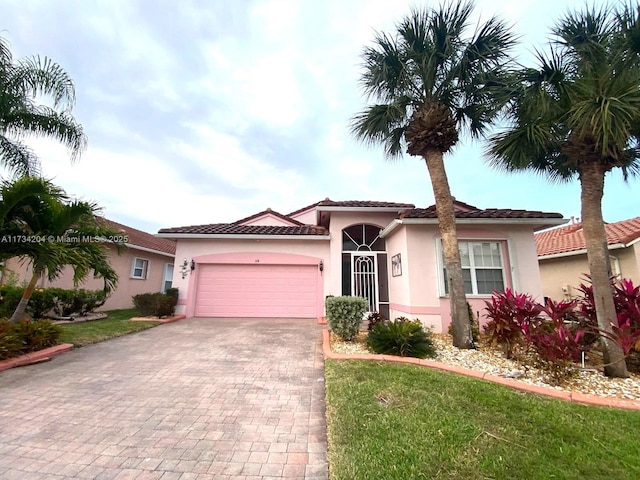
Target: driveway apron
point(197, 399)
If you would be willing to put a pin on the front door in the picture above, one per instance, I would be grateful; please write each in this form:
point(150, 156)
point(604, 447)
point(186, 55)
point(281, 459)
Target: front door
point(364, 282)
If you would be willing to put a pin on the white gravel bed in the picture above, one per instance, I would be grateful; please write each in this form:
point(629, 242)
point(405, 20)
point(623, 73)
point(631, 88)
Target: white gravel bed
point(493, 362)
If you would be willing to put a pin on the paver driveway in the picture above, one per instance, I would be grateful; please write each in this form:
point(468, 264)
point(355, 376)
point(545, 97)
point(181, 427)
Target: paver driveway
point(197, 399)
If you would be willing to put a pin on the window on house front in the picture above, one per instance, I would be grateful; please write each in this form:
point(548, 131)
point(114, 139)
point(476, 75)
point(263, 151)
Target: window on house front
point(168, 277)
point(140, 268)
point(482, 268)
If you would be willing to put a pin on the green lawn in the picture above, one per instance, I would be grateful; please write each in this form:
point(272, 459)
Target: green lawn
point(115, 325)
point(404, 422)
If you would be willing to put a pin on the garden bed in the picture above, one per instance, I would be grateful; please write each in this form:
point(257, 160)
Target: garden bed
point(491, 360)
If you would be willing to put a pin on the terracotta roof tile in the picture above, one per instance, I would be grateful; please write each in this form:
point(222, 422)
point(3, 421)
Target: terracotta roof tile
point(363, 204)
point(308, 207)
point(268, 211)
point(570, 238)
point(234, 229)
point(144, 239)
point(464, 210)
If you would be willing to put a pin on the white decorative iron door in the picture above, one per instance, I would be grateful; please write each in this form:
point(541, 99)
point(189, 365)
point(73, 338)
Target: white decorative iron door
point(364, 283)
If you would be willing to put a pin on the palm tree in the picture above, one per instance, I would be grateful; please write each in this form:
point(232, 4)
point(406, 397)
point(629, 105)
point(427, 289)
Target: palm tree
point(432, 81)
point(51, 232)
point(21, 83)
point(578, 115)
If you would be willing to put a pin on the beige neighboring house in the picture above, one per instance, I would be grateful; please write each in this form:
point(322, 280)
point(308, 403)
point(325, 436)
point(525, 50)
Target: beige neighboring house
point(146, 266)
point(562, 256)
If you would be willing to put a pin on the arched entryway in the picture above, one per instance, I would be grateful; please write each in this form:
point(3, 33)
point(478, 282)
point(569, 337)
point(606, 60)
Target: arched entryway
point(364, 266)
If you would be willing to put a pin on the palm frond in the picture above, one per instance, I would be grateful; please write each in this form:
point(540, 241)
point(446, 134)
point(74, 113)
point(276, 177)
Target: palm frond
point(16, 157)
point(42, 121)
point(42, 76)
point(383, 124)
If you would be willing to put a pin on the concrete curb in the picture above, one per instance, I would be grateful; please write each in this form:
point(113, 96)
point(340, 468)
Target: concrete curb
point(575, 397)
point(35, 357)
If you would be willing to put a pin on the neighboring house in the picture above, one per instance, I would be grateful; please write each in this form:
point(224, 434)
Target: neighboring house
point(145, 266)
point(562, 256)
point(272, 265)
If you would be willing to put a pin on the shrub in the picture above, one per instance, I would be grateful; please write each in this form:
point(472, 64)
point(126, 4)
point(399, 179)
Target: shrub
point(155, 304)
point(10, 344)
point(373, 318)
point(626, 298)
point(77, 301)
point(9, 299)
point(511, 315)
point(40, 303)
point(36, 334)
point(172, 292)
point(93, 299)
point(558, 341)
point(344, 315)
point(475, 325)
point(401, 337)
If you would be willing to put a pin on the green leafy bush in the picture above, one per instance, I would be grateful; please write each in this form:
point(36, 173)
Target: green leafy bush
point(9, 298)
point(59, 301)
point(40, 303)
point(172, 292)
point(155, 304)
point(77, 301)
point(10, 344)
point(36, 334)
point(344, 315)
point(27, 336)
point(401, 337)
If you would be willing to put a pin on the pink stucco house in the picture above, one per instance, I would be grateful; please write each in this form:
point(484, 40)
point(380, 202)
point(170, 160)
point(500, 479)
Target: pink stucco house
point(274, 265)
point(146, 266)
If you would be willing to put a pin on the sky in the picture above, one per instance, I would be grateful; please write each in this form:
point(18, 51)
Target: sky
point(209, 111)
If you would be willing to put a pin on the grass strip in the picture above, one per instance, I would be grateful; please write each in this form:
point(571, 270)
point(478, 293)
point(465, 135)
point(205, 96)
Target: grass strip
point(116, 324)
point(404, 422)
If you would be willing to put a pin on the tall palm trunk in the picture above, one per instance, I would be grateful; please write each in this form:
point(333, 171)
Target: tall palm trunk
point(462, 336)
point(26, 295)
point(592, 186)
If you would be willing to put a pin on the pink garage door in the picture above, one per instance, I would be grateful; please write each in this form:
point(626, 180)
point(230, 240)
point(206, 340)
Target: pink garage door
point(226, 290)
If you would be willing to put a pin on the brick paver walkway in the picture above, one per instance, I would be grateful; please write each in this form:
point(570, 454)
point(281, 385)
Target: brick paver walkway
point(197, 399)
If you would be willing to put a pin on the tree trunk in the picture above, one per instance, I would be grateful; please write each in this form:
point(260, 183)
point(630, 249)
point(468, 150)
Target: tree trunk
point(592, 190)
point(22, 305)
point(462, 335)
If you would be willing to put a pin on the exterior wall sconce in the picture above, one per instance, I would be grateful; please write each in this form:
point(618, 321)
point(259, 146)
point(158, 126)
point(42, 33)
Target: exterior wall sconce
point(321, 266)
point(185, 267)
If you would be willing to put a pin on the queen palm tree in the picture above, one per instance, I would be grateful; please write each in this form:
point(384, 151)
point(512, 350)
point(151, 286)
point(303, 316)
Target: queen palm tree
point(431, 81)
point(577, 114)
point(40, 224)
point(21, 84)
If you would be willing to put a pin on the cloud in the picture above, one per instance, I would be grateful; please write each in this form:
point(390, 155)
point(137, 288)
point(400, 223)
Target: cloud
point(201, 112)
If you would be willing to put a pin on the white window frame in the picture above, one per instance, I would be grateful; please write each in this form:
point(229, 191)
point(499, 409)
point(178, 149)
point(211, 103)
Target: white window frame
point(145, 271)
point(472, 268)
point(164, 277)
